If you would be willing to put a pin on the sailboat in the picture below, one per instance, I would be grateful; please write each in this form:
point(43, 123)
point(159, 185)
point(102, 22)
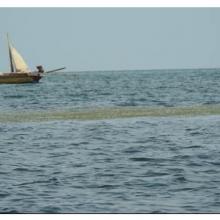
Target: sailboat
point(19, 70)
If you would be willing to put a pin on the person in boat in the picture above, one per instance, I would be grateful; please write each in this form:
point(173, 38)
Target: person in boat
point(40, 69)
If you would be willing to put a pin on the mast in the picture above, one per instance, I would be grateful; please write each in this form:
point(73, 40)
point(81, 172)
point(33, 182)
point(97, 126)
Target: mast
point(10, 55)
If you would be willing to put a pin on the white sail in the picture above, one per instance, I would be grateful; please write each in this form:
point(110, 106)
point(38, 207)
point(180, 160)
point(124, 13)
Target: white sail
point(18, 61)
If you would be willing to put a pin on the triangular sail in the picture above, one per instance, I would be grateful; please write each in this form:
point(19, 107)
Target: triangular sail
point(16, 60)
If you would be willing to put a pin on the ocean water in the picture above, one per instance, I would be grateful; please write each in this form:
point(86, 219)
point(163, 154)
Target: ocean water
point(112, 142)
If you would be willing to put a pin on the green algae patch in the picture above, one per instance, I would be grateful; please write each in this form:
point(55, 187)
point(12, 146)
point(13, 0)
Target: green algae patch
point(109, 113)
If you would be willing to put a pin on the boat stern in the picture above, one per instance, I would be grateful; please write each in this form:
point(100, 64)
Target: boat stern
point(36, 78)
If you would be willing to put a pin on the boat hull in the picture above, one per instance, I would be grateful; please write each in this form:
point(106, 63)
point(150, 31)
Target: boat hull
point(17, 78)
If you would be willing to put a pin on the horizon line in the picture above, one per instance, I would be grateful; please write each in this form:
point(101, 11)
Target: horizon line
point(123, 70)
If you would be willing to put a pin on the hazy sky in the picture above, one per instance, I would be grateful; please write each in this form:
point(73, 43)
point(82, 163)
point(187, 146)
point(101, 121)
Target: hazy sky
point(113, 38)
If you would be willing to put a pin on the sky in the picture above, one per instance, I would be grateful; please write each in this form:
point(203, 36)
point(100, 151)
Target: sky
point(84, 39)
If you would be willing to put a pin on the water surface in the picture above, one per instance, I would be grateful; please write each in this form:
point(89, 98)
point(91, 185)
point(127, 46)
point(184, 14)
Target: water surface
point(120, 141)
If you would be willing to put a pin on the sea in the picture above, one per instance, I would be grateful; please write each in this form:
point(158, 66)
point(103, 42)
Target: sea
point(137, 141)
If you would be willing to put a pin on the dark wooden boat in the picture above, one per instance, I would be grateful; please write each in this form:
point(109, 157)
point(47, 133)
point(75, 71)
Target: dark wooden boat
point(19, 70)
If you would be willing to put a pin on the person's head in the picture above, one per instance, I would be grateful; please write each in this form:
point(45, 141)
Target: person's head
point(40, 69)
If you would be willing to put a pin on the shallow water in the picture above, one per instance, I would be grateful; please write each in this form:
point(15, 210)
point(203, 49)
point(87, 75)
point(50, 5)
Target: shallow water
point(129, 141)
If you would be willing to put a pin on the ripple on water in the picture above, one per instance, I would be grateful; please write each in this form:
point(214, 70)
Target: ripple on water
point(73, 149)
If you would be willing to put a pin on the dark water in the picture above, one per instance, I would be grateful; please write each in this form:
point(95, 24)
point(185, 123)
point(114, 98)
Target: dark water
point(107, 160)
